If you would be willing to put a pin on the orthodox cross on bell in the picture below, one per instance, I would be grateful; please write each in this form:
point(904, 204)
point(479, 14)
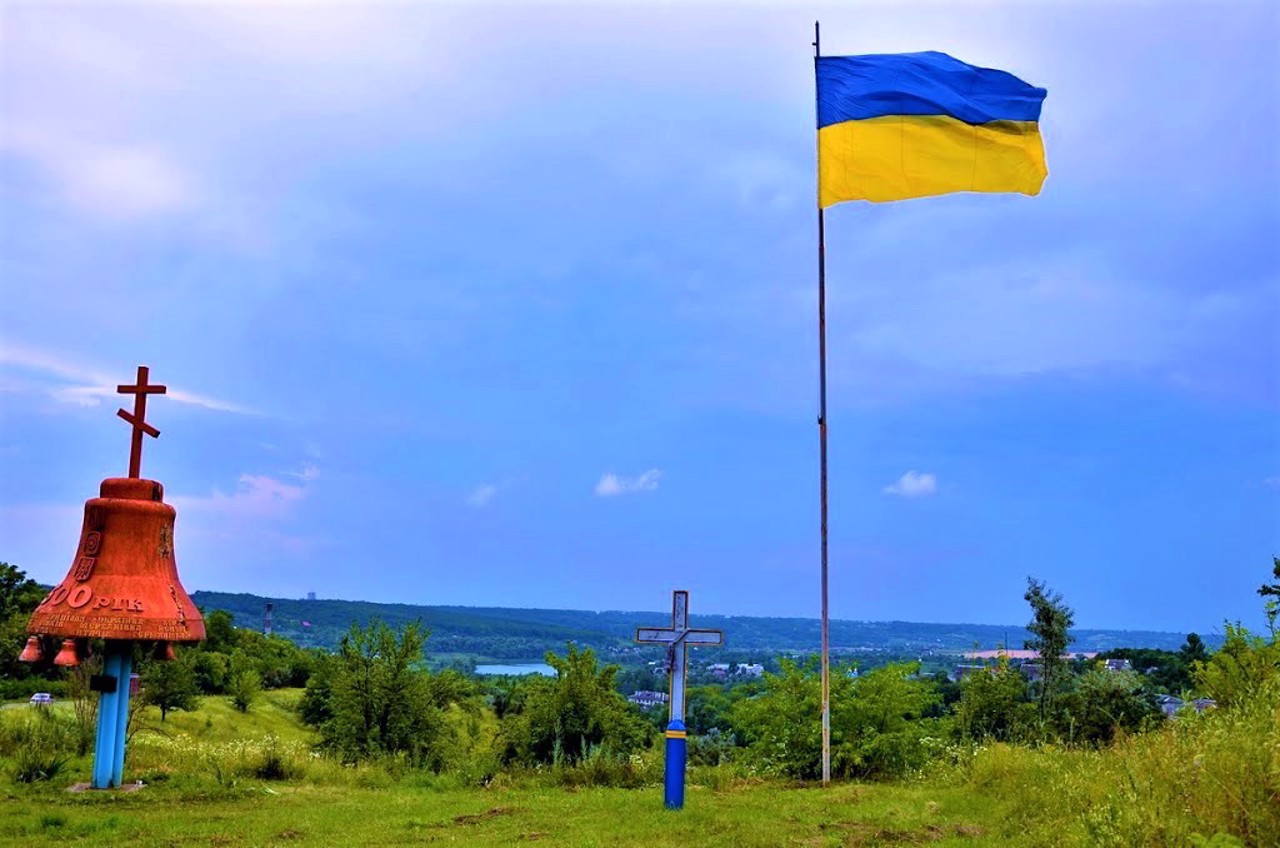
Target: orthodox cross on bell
point(677, 638)
point(138, 417)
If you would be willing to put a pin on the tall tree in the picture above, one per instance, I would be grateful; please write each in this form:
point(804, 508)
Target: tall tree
point(1271, 591)
point(1051, 619)
point(1193, 651)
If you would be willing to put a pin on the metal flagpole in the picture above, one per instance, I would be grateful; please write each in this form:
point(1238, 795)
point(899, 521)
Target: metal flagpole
point(822, 445)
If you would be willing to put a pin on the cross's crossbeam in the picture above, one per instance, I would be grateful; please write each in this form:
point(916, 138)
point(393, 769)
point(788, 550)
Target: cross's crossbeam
point(666, 635)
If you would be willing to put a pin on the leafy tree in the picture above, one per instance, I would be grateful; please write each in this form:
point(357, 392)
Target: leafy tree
point(1050, 621)
point(707, 709)
point(170, 685)
point(993, 705)
point(19, 595)
point(1193, 651)
point(1105, 703)
point(876, 721)
point(210, 670)
point(1241, 669)
point(316, 705)
point(1163, 671)
point(1246, 667)
point(564, 718)
point(243, 682)
point(885, 721)
point(1271, 591)
point(379, 698)
point(220, 633)
point(504, 694)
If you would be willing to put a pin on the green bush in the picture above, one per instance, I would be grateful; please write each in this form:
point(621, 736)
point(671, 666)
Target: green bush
point(39, 745)
point(23, 688)
point(562, 719)
point(876, 725)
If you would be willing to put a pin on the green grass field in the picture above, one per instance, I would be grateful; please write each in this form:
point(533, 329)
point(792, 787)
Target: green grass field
point(219, 777)
point(408, 815)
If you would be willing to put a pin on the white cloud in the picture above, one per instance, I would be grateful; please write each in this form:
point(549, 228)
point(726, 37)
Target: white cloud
point(107, 180)
point(611, 484)
point(1271, 482)
point(310, 471)
point(256, 498)
point(89, 386)
point(913, 484)
point(482, 494)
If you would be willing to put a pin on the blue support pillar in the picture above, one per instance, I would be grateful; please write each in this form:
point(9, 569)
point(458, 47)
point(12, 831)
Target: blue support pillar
point(677, 752)
point(113, 717)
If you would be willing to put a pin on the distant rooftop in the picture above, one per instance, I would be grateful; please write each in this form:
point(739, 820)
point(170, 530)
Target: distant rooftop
point(1023, 655)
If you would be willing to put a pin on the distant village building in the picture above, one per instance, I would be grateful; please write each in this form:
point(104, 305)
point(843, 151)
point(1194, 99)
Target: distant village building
point(1169, 704)
point(1119, 665)
point(718, 670)
point(750, 669)
point(646, 699)
point(1024, 655)
point(960, 672)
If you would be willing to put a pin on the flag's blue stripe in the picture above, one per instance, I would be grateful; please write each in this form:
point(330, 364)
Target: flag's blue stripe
point(852, 88)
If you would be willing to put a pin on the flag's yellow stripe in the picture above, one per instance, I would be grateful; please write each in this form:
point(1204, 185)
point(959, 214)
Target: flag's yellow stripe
point(896, 157)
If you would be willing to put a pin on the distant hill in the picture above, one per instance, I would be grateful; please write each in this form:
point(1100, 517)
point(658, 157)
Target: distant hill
point(501, 633)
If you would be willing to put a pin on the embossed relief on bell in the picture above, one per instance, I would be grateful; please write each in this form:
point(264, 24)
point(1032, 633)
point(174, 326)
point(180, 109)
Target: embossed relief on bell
point(84, 568)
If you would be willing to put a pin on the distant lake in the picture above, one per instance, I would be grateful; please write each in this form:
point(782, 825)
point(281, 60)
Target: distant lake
point(518, 668)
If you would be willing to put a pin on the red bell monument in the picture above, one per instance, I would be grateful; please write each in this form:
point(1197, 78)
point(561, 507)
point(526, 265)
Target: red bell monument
point(123, 583)
point(122, 587)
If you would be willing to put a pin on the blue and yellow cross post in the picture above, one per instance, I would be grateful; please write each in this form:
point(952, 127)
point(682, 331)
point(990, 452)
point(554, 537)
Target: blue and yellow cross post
point(677, 638)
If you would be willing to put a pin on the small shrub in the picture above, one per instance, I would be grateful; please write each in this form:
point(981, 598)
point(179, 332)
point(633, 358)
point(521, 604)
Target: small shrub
point(39, 745)
point(50, 821)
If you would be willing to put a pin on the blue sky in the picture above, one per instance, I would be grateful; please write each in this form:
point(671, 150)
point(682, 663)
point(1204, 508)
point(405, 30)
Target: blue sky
point(515, 305)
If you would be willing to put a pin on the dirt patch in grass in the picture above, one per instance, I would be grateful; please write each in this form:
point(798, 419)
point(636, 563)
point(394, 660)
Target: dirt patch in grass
point(487, 814)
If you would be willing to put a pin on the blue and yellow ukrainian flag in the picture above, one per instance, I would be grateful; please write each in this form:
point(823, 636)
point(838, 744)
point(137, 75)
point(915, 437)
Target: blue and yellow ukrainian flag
point(891, 127)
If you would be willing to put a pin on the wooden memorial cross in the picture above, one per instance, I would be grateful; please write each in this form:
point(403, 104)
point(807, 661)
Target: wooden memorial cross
point(139, 416)
point(677, 638)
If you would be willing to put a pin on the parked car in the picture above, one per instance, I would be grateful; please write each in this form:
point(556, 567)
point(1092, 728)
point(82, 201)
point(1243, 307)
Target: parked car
point(41, 698)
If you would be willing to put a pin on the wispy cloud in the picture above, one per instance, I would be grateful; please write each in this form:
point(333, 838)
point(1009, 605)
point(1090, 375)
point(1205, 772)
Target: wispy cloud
point(110, 182)
point(611, 484)
point(310, 471)
point(256, 497)
point(483, 494)
point(1271, 482)
point(88, 387)
point(913, 484)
